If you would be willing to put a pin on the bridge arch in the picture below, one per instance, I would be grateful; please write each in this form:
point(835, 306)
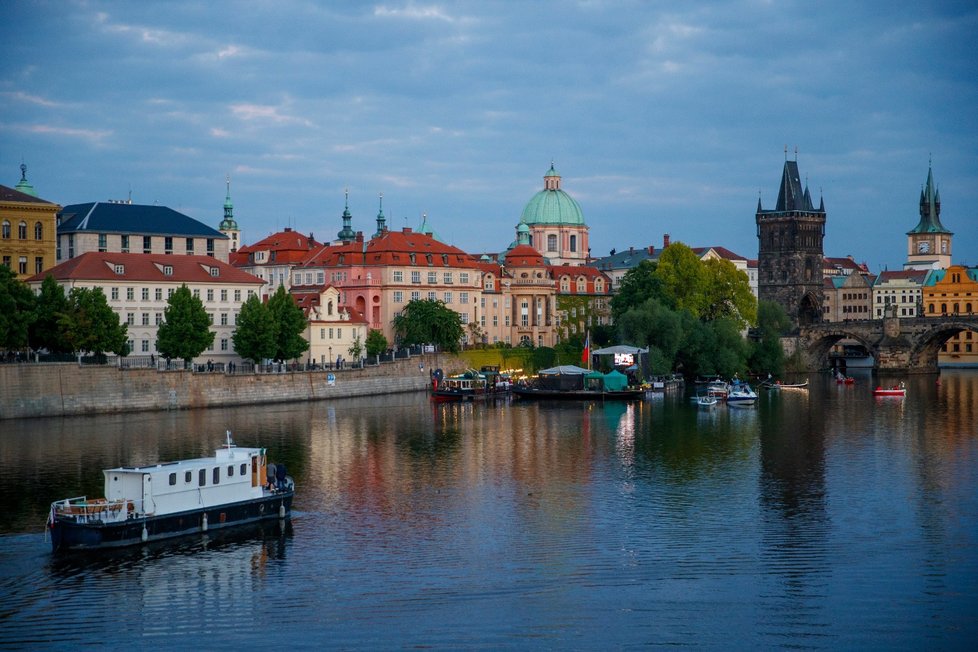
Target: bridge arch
point(927, 344)
point(819, 342)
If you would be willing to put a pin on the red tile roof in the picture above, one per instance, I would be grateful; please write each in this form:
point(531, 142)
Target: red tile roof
point(100, 266)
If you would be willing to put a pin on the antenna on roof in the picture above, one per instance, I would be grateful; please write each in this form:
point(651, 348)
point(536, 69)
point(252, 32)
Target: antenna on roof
point(786, 152)
point(796, 157)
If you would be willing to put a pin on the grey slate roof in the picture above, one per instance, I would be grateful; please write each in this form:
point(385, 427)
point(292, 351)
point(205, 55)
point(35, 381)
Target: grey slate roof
point(626, 259)
point(107, 217)
point(14, 195)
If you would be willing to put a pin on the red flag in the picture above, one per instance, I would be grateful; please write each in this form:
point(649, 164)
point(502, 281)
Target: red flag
point(586, 355)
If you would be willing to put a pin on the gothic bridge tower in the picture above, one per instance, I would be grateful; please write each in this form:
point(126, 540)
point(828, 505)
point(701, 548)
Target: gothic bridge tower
point(789, 255)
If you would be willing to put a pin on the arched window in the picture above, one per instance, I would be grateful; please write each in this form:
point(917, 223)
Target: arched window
point(22, 230)
point(573, 243)
point(551, 242)
point(329, 307)
point(967, 308)
point(943, 308)
point(38, 231)
point(955, 309)
point(6, 230)
point(930, 308)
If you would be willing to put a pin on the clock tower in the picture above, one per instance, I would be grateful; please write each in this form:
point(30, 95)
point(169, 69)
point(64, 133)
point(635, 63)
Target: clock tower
point(929, 243)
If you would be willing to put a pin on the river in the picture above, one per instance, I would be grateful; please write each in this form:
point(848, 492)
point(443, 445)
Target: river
point(819, 519)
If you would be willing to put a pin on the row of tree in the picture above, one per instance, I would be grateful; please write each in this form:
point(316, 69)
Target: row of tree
point(83, 321)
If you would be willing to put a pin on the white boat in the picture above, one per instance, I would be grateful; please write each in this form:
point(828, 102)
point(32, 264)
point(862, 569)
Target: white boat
point(706, 401)
point(741, 394)
point(158, 501)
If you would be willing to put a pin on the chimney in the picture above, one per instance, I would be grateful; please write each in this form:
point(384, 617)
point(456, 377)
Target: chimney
point(665, 240)
point(288, 229)
point(406, 230)
point(631, 249)
point(651, 250)
point(359, 236)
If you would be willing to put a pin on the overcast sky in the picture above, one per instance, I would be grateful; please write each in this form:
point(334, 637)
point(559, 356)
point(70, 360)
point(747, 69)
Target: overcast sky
point(661, 117)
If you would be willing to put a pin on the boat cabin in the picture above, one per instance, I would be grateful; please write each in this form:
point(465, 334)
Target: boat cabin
point(233, 474)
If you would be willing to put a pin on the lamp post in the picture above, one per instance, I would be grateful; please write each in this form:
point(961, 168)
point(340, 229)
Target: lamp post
point(330, 357)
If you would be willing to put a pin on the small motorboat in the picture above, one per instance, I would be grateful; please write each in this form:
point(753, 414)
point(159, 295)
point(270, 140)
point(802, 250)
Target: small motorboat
point(706, 401)
point(741, 394)
point(898, 391)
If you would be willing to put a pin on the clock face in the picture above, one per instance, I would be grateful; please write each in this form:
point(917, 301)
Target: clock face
point(923, 246)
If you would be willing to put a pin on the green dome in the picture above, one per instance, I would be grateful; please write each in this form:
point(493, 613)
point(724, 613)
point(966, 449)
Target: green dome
point(552, 205)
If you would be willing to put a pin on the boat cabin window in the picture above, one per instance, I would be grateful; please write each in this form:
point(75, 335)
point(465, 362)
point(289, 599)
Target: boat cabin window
point(230, 470)
point(188, 476)
point(173, 479)
point(217, 474)
point(244, 468)
point(202, 477)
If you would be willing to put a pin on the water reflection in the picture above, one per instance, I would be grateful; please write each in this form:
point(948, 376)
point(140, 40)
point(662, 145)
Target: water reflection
point(819, 519)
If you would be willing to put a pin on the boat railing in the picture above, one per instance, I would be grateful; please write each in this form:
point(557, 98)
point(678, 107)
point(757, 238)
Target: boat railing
point(99, 510)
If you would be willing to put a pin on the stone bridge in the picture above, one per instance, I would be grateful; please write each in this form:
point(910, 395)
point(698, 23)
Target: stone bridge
point(897, 344)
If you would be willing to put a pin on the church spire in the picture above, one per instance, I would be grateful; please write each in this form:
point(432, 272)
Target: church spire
point(381, 220)
point(229, 225)
point(346, 234)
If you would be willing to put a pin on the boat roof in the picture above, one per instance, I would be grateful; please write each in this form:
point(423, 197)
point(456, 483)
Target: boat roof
point(221, 455)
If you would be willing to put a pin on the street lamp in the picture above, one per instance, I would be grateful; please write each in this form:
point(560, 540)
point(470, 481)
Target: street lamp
point(330, 357)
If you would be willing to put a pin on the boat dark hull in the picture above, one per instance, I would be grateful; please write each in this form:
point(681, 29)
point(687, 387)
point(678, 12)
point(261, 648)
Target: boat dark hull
point(578, 394)
point(68, 535)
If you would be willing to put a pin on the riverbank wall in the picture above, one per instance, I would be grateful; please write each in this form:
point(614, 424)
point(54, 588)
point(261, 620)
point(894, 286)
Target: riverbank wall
point(68, 389)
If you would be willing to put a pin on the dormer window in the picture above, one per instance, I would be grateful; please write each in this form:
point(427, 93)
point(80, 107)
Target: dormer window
point(167, 270)
point(120, 269)
point(215, 271)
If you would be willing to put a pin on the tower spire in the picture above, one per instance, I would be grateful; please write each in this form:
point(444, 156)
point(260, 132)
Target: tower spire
point(229, 226)
point(346, 234)
point(381, 220)
point(24, 185)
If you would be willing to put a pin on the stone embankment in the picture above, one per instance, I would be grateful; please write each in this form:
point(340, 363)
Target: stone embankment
point(53, 390)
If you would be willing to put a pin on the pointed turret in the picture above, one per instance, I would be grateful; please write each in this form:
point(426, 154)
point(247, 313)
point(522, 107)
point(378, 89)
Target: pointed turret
point(381, 220)
point(229, 226)
point(346, 234)
point(930, 208)
point(23, 185)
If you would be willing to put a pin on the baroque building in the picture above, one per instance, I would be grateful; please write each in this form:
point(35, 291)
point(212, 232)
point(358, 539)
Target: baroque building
point(27, 229)
point(556, 223)
point(789, 257)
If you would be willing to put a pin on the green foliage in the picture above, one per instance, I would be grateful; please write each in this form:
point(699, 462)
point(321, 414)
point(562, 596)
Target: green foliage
point(290, 324)
point(186, 329)
point(376, 342)
point(356, 349)
point(16, 310)
point(682, 276)
point(52, 305)
point(255, 337)
point(654, 326)
point(767, 355)
point(726, 293)
point(91, 325)
point(543, 357)
point(429, 321)
point(637, 286)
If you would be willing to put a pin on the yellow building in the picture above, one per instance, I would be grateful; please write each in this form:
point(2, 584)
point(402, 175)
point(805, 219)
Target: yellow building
point(28, 230)
point(949, 292)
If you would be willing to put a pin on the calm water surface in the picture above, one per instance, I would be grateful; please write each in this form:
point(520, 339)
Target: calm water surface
point(824, 519)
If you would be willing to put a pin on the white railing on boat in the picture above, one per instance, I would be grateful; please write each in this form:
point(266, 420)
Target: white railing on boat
point(82, 510)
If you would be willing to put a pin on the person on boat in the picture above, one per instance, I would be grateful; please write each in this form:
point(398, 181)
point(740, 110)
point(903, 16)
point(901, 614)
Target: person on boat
point(280, 476)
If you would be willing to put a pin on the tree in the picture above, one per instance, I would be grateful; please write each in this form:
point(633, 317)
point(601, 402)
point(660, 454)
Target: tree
point(429, 321)
point(727, 293)
point(767, 355)
point(186, 329)
point(682, 279)
point(91, 325)
point(290, 323)
point(16, 310)
point(637, 286)
point(255, 334)
point(654, 326)
point(376, 342)
point(52, 305)
point(356, 349)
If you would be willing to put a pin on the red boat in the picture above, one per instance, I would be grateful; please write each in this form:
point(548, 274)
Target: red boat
point(897, 390)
